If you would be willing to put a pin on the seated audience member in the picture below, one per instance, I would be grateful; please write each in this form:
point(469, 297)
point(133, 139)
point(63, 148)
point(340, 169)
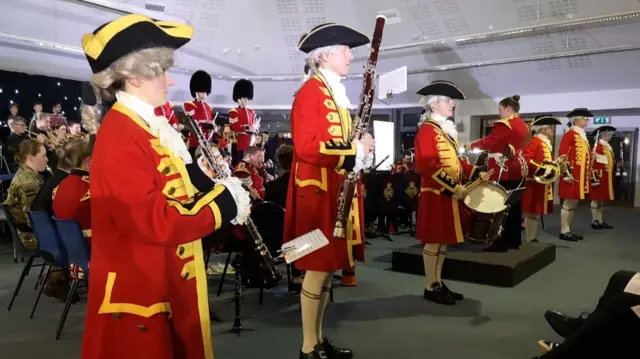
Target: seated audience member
point(276, 190)
point(18, 134)
point(611, 331)
point(32, 158)
point(44, 199)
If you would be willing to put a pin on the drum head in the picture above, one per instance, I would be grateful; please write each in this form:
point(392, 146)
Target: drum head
point(487, 197)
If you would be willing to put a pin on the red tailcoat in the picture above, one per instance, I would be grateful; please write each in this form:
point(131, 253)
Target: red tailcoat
point(512, 131)
point(399, 167)
point(537, 197)
point(576, 148)
point(441, 219)
point(249, 176)
point(72, 200)
point(321, 154)
point(167, 111)
point(148, 286)
point(604, 166)
point(241, 120)
point(202, 113)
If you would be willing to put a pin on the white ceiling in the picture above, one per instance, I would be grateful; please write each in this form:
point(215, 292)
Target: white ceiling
point(267, 31)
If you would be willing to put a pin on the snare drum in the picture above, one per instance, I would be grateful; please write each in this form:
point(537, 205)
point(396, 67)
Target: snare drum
point(487, 204)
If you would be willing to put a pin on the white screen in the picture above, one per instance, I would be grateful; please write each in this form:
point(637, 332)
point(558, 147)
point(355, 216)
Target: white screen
point(385, 134)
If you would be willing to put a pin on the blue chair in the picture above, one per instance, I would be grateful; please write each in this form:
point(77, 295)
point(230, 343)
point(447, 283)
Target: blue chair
point(23, 251)
point(78, 253)
point(51, 249)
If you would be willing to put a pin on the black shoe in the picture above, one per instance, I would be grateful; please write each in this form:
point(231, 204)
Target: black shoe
point(547, 346)
point(534, 241)
point(317, 353)
point(606, 226)
point(437, 294)
point(334, 352)
point(578, 237)
point(454, 295)
point(564, 325)
point(569, 237)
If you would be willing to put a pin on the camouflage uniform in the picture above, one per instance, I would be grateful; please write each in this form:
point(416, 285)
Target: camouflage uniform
point(23, 189)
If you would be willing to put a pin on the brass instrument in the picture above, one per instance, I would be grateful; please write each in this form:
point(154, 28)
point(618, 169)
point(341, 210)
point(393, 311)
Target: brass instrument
point(271, 272)
point(595, 178)
point(560, 167)
point(359, 128)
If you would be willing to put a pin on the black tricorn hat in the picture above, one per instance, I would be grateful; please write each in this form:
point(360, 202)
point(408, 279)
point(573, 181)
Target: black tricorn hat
point(243, 89)
point(118, 38)
point(604, 129)
point(546, 120)
point(200, 82)
point(580, 112)
point(442, 88)
point(330, 34)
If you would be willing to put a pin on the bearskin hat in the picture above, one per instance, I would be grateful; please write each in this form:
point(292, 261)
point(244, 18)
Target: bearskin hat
point(200, 82)
point(243, 89)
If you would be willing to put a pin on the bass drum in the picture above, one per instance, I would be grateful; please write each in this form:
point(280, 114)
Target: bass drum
point(488, 209)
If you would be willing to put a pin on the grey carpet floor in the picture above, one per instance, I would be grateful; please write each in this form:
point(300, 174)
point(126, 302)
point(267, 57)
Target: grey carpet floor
point(385, 315)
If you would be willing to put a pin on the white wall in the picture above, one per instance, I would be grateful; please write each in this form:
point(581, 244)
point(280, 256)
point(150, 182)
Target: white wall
point(467, 112)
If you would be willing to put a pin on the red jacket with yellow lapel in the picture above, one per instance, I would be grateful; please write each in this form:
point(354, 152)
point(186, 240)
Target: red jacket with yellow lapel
point(604, 166)
point(249, 176)
point(72, 200)
point(201, 113)
point(319, 130)
point(537, 198)
point(148, 292)
point(241, 119)
point(576, 147)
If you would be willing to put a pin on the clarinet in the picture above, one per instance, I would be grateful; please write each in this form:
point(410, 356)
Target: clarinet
point(271, 271)
point(359, 128)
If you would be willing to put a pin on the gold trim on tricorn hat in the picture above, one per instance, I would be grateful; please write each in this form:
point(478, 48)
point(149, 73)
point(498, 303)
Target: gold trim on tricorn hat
point(118, 38)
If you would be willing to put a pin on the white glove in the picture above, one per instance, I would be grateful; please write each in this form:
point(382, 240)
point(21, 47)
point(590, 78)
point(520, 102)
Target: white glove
point(191, 113)
point(368, 162)
point(240, 196)
point(360, 157)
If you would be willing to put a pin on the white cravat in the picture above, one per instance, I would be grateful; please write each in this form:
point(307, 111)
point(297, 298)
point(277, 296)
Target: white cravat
point(580, 131)
point(447, 126)
point(159, 125)
point(337, 88)
point(546, 140)
point(605, 144)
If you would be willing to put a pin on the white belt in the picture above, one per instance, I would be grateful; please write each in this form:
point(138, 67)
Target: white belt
point(495, 156)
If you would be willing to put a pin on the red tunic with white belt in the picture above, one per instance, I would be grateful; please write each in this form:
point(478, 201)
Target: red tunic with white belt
point(512, 132)
point(441, 219)
point(537, 197)
point(250, 176)
point(167, 111)
point(202, 113)
point(148, 286)
point(319, 129)
point(241, 121)
point(604, 166)
point(575, 146)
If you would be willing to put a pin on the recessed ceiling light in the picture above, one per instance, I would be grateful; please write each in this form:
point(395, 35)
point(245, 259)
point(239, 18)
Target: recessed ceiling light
point(225, 51)
point(491, 28)
point(256, 47)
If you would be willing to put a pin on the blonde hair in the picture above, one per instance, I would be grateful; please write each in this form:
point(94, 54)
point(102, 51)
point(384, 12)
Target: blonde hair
point(426, 102)
point(75, 152)
point(145, 63)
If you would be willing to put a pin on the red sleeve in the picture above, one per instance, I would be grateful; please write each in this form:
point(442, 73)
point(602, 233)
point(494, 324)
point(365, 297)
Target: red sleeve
point(496, 141)
point(142, 208)
point(188, 107)
point(308, 125)
point(236, 123)
point(566, 145)
point(428, 162)
point(469, 170)
point(531, 154)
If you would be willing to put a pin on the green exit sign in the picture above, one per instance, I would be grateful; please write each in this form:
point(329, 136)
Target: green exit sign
point(602, 120)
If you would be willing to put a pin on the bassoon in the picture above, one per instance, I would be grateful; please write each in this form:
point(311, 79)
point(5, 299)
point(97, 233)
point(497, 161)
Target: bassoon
point(359, 129)
point(269, 266)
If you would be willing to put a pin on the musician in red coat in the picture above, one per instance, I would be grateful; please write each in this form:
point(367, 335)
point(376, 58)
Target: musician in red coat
point(537, 199)
point(247, 171)
point(509, 132)
point(147, 288)
point(167, 112)
point(604, 167)
point(438, 162)
point(405, 165)
point(320, 128)
point(242, 120)
point(199, 109)
point(575, 146)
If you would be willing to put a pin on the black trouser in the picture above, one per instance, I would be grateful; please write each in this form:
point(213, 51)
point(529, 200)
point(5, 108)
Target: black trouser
point(511, 236)
point(611, 331)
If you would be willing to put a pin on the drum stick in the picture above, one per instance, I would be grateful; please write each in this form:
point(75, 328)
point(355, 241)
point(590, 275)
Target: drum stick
point(475, 183)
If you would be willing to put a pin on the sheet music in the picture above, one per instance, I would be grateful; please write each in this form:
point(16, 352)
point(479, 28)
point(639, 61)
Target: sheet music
point(303, 245)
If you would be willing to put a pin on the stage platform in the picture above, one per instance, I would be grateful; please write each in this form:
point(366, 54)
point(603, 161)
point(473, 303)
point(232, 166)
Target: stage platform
point(468, 263)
